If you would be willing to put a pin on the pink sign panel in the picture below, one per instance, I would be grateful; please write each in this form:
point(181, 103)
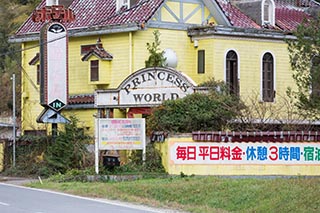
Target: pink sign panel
point(54, 66)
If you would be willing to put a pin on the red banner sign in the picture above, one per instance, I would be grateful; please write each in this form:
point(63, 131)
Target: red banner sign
point(54, 12)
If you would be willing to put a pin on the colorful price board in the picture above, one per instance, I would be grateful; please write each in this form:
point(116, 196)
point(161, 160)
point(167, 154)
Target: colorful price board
point(245, 153)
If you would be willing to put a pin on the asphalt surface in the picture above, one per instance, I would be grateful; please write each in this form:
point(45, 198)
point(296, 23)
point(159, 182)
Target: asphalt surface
point(15, 198)
point(16, 180)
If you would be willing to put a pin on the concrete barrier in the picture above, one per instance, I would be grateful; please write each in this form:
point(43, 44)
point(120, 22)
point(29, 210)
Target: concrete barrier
point(182, 154)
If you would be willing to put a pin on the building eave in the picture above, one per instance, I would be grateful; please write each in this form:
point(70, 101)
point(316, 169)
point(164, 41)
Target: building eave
point(5, 125)
point(200, 32)
point(79, 33)
point(80, 106)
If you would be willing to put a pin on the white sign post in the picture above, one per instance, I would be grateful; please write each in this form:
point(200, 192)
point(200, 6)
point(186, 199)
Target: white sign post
point(119, 134)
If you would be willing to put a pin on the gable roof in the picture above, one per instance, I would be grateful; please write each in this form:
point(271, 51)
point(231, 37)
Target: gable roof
point(93, 16)
point(288, 18)
point(81, 99)
point(235, 16)
point(98, 14)
point(35, 59)
point(288, 14)
point(99, 52)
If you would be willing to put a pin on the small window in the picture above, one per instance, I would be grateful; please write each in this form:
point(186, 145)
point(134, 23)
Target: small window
point(38, 74)
point(201, 61)
point(268, 92)
point(94, 70)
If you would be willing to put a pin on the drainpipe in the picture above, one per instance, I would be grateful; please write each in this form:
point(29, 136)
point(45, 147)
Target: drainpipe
point(130, 52)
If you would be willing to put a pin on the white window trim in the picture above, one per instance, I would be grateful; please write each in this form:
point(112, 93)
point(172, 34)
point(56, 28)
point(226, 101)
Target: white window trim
point(121, 3)
point(274, 76)
point(225, 64)
point(271, 12)
point(52, 2)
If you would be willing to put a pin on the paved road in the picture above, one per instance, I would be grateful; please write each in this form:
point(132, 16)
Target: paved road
point(18, 199)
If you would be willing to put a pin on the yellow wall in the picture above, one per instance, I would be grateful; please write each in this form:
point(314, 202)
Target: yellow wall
point(129, 52)
point(250, 52)
point(30, 100)
point(263, 169)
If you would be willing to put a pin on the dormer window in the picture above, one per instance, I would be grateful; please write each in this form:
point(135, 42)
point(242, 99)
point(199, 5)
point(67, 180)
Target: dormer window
point(268, 12)
point(52, 2)
point(125, 4)
point(65, 3)
point(99, 65)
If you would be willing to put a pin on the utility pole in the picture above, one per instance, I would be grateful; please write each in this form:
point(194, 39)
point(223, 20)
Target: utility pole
point(14, 118)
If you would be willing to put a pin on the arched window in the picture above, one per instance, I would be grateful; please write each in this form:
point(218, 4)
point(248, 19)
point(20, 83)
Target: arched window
point(268, 92)
point(268, 12)
point(232, 72)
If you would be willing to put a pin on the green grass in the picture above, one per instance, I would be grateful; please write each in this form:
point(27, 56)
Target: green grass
point(206, 194)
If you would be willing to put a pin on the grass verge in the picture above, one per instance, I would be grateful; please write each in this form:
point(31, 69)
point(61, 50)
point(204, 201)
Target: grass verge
point(206, 194)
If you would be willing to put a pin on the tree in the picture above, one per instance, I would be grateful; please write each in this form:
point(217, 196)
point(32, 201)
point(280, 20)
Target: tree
point(304, 53)
point(156, 58)
point(68, 151)
point(12, 15)
point(198, 111)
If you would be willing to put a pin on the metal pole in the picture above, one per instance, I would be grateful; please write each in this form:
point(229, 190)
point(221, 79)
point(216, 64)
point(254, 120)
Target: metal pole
point(96, 145)
point(54, 131)
point(14, 118)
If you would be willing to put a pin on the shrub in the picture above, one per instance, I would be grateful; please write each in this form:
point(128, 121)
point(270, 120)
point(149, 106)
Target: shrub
point(43, 156)
point(69, 149)
point(198, 111)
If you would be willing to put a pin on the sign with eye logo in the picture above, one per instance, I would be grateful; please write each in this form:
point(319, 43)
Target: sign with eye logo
point(54, 66)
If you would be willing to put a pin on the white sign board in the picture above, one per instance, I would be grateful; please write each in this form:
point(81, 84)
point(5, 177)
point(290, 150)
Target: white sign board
point(245, 153)
point(121, 134)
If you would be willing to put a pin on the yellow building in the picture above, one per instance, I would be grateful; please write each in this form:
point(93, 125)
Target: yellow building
point(240, 42)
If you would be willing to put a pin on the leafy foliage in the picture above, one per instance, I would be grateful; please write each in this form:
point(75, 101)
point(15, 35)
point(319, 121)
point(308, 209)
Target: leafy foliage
point(69, 149)
point(12, 15)
point(156, 58)
point(43, 156)
point(207, 194)
point(153, 161)
point(304, 55)
point(197, 111)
